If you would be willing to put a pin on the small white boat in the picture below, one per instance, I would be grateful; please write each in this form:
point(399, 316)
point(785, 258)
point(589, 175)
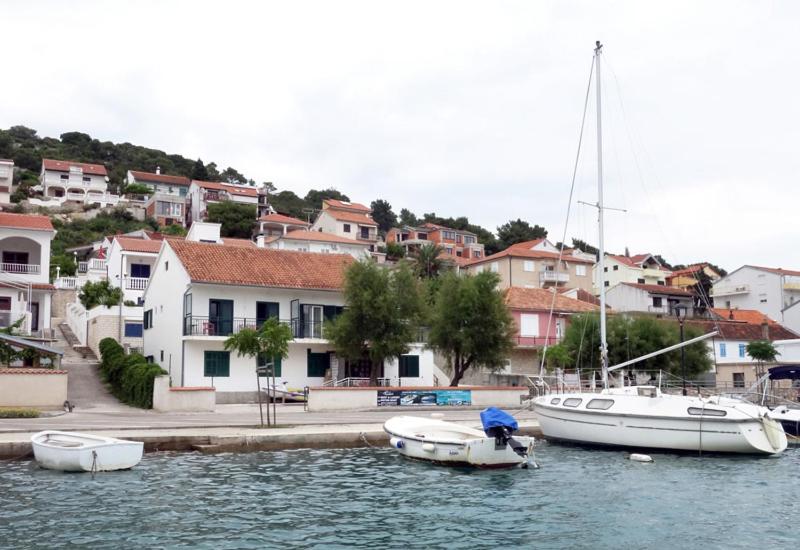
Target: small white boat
point(446, 442)
point(77, 452)
point(280, 392)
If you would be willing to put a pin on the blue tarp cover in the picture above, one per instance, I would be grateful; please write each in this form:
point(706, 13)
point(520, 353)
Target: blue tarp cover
point(493, 417)
point(785, 372)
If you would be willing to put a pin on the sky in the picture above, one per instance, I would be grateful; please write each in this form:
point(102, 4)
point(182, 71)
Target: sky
point(460, 108)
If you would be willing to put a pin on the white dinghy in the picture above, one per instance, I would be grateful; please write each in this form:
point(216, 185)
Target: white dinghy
point(77, 452)
point(449, 443)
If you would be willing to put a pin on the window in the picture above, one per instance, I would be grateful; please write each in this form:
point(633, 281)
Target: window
point(658, 301)
point(263, 361)
point(572, 402)
point(580, 270)
point(409, 366)
point(166, 266)
point(616, 268)
point(477, 253)
point(698, 411)
point(347, 228)
point(742, 350)
point(64, 177)
point(141, 271)
point(365, 232)
point(738, 379)
point(317, 364)
point(162, 356)
point(5, 304)
point(449, 235)
point(723, 350)
point(605, 283)
point(133, 330)
point(148, 319)
point(600, 404)
point(495, 267)
point(149, 359)
point(265, 310)
point(640, 281)
point(605, 270)
point(661, 283)
point(87, 179)
point(529, 324)
point(528, 265)
point(468, 239)
point(422, 236)
point(15, 258)
point(458, 238)
point(555, 401)
point(216, 364)
point(164, 208)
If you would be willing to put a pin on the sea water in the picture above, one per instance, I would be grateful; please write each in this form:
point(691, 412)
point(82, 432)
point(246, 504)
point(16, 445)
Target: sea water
point(374, 498)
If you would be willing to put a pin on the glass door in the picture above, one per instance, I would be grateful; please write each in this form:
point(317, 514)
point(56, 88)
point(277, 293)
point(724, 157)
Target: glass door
point(220, 317)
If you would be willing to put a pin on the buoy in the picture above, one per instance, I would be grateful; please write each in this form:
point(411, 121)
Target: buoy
point(397, 443)
point(640, 457)
point(428, 447)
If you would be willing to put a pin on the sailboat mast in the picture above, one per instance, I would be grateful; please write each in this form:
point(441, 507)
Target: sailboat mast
point(602, 251)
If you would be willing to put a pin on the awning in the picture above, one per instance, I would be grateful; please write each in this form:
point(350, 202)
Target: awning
point(29, 344)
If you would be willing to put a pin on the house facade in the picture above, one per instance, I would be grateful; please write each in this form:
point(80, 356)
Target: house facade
point(766, 289)
point(6, 180)
point(689, 276)
point(534, 264)
point(658, 299)
point(167, 203)
point(791, 316)
point(130, 262)
point(276, 225)
point(348, 219)
point(25, 289)
point(642, 269)
point(316, 241)
point(203, 193)
point(68, 181)
point(454, 243)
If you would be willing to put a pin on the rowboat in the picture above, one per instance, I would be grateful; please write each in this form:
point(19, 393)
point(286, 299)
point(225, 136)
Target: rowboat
point(77, 452)
point(444, 442)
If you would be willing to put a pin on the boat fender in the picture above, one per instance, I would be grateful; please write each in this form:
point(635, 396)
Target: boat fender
point(397, 443)
point(429, 447)
point(636, 457)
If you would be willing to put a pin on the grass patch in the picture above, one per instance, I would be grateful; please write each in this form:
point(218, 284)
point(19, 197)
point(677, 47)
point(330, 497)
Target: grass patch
point(18, 412)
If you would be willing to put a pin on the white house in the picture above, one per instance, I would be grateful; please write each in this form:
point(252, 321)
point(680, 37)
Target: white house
point(791, 316)
point(316, 241)
point(6, 180)
point(129, 263)
point(203, 193)
point(642, 269)
point(347, 219)
point(25, 289)
point(276, 225)
point(167, 204)
point(769, 290)
point(202, 292)
point(658, 299)
point(66, 180)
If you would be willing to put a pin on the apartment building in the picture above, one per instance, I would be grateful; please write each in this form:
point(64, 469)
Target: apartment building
point(689, 276)
point(348, 219)
point(769, 290)
point(316, 241)
point(6, 180)
point(69, 181)
point(534, 264)
point(167, 203)
point(648, 298)
point(643, 269)
point(276, 225)
point(455, 243)
point(203, 193)
point(129, 264)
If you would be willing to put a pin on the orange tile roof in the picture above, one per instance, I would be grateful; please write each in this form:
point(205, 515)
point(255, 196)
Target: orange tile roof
point(132, 244)
point(34, 286)
point(542, 299)
point(234, 265)
point(334, 203)
point(737, 330)
point(528, 245)
point(64, 165)
point(532, 254)
point(160, 178)
point(752, 316)
point(232, 189)
point(352, 217)
point(778, 270)
point(437, 227)
point(25, 221)
point(319, 236)
point(661, 289)
point(247, 243)
point(280, 218)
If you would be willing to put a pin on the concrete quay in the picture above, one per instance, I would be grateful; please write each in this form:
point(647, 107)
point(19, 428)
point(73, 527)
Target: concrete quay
point(233, 428)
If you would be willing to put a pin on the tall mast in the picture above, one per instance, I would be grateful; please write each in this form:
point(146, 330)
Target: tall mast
point(602, 252)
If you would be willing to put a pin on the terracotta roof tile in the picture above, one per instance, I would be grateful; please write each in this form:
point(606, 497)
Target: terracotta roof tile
point(661, 289)
point(132, 244)
point(280, 218)
point(234, 265)
point(34, 286)
point(532, 254)
point(352, 217)
point(752, 316)
point(528, 245)
point(232, 189)
point(64, 165)
point(778, 270)
point(542, 299)
point(334, 203)
point(25, 221)
point(160, 178)
point(246, 243)
point(320, 237)
point(737, 330)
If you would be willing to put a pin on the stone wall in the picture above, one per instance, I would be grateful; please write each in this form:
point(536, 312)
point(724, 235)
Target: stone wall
point(40, 388)
point(106, 325)
point(62, 297)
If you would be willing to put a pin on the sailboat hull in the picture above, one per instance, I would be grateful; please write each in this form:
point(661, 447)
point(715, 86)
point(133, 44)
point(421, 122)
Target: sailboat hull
point(661, 423)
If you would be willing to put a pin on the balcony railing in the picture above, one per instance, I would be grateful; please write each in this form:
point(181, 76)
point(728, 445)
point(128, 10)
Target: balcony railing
point(136, 283)
point(76, 182)
point(730, 290)
point(66, 282)
point(535, 341)
point(25, 269)
point(553, 277)
point(791, 282)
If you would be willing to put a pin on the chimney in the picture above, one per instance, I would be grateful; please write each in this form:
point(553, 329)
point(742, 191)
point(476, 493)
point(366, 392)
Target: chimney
point(158, 170)
point(260, 241)
point(730, 314)
point(765, 330)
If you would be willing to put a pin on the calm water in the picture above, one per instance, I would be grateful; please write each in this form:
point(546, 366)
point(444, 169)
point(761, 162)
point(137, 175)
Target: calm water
point(374, 498)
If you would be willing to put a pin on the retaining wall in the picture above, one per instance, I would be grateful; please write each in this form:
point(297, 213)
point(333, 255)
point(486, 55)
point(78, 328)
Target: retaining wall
point(181, 399)
point(38, 388)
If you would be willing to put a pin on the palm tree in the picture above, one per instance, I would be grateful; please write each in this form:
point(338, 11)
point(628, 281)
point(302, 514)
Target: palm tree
point(428, 260)
point(270, 340)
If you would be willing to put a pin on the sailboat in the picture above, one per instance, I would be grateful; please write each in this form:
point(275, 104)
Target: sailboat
point(643, 417)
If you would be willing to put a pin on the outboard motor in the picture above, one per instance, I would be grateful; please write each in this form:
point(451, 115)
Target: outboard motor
point(500, 425)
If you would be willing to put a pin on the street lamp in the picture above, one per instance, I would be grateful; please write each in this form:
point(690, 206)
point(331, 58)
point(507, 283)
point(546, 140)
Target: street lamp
point(680, 314)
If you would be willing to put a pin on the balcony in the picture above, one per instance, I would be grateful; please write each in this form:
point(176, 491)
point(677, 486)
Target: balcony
point(535, 341)
point(227, 326)
point(791, 282)
point(553, 277)
point(730, 290)
point(21, 269)
point(94, 183)
point(94, 264)
point(136, 283)
point(650, 273)
point(69, 283)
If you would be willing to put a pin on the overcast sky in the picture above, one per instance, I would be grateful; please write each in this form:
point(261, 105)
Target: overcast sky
point(459, 108)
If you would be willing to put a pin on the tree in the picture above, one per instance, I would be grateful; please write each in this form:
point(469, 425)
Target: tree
point(269, 186)
point(99, 293)
point(381, 317)
point(428, 261)
point(518, 231)
point(394, 251)
point(315, 197)
point(585, 247)
point(407, 217)
point(383, 215)
point(231, 175)
point(763, 352)
point(174, 229)
point(470, 324)
point(137, 189)
point(286, 202)
point(199, 172)
point(237, 218)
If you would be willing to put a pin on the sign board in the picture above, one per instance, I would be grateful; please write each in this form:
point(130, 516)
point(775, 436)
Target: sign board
point(422, 398)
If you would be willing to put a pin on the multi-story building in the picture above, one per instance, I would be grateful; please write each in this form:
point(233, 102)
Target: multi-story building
point(658, 299)
point(533, 264)
point(316, 241)
point(66, 180)
point(6, 180)
point(203, 193)
point(348, 219)
point(130, 262)
point(689, 276)
point(225, 288)
point(25, 289)
point(791, 316)
point(643, 269)
point(455, 243)
point(277, 225)
point(767, 289)
point(167, 203)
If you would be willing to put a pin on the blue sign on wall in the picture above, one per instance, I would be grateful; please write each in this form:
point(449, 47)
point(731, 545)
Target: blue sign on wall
point(421, 398)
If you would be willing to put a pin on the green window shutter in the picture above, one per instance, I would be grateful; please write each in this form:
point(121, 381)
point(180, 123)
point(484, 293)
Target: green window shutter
point(278, 364)
point(262, 362)
point(216, 364)
point(317, 364)
point(409, 366)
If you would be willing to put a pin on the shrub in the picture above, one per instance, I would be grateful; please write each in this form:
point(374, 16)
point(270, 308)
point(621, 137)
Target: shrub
point(99, 293)
point(130, 376)
point(18, 412)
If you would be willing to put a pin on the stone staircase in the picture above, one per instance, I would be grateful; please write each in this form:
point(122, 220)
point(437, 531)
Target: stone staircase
point(74, 344)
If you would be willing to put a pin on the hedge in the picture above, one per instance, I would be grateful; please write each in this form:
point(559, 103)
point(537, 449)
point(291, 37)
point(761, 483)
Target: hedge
point(130, 376)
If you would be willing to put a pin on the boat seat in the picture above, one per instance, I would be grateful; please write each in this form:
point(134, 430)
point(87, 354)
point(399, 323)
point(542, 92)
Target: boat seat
point(60, 443)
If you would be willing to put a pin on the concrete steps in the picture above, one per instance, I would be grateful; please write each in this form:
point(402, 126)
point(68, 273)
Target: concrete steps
point(81, 353)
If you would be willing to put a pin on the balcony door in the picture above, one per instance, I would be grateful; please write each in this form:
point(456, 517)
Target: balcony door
point(220, 315)
point(266, 310)
point(313, 318)
point(34, 316)
point(141, 271)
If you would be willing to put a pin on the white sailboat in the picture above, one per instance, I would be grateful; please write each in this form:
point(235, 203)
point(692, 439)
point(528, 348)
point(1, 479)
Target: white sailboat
point(643, 416)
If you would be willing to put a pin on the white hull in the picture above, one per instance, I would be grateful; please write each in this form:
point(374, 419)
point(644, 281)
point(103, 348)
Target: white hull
point(75, 452)
point(450, 443)
point(661, 422)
